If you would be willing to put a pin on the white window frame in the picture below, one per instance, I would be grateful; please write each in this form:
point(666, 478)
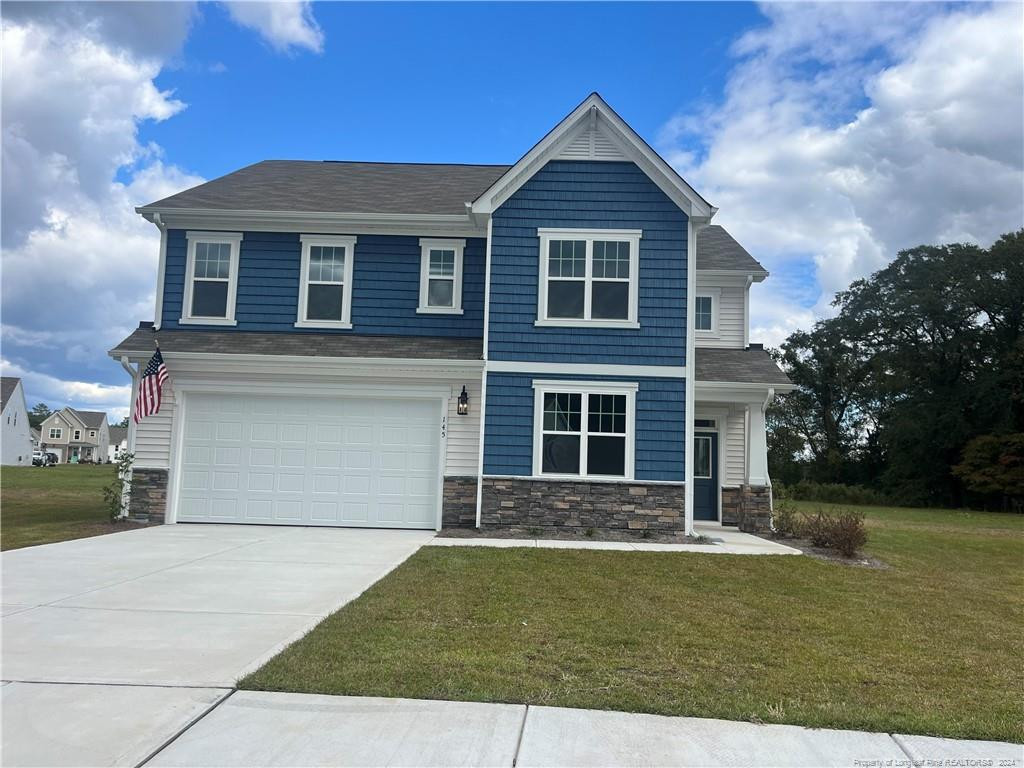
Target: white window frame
point(348, 242)
point(59, 433)
point(234, 240)
point(584, 389)
point(631, 236)
point(428, 244)
point(76, 435)
point(715, 294)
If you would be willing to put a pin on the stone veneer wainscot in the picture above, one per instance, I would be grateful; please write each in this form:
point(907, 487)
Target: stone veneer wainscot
point(148, 500)
point(578, 505)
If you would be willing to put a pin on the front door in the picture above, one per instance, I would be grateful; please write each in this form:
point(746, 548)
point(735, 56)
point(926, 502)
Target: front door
point(705, 476)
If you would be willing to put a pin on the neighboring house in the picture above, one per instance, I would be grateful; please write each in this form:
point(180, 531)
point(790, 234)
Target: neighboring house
point(321, 321)
point(75, 436)
point(118, 442)
point(16, 439)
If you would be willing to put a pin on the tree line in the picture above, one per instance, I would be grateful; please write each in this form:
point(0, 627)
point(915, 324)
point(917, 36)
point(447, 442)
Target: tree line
point(915, 387)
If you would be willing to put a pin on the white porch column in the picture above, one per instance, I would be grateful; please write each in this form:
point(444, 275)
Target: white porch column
point(757, 458)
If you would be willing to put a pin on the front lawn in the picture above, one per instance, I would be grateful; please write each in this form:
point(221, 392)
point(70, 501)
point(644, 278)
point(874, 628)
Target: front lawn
point(932, 645)
point(39, 505)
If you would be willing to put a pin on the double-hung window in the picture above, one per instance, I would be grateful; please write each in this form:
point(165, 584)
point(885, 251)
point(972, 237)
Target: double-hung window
point(588, 277)
point(705, 311)
point(441, 276)
point(56, 433)
point(583, 429)
point(77, 435)
point(325, 293)
point(211, 278)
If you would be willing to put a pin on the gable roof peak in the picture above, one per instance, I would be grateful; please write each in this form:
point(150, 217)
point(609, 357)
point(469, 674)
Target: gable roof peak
point(594, 115)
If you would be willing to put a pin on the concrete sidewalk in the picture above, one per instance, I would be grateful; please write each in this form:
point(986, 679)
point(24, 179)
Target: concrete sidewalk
point(724, 541)
point(252, 728)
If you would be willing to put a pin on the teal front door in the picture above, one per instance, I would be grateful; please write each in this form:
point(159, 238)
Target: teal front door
point(705, 476)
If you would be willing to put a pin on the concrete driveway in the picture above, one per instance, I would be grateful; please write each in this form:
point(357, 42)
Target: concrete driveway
point(160, 623)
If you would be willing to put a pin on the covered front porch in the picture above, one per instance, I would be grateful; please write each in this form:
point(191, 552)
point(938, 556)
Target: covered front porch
point(730, 448)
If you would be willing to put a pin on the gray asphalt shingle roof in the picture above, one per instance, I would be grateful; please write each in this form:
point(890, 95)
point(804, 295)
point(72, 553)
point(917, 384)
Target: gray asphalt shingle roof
point(91, 419)
point(300, 344)
point(716, 249)
point(341, 187)
point(745, 366)
point(117, 434)
point(7, 386)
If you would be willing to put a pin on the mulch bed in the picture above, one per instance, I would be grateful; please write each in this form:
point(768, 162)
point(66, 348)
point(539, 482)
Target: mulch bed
point(830, 555)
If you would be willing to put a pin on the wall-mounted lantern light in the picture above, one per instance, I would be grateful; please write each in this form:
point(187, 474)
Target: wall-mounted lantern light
point(463, 402)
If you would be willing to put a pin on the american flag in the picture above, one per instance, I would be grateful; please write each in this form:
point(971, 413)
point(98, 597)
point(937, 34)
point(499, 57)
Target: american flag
point(150, 387)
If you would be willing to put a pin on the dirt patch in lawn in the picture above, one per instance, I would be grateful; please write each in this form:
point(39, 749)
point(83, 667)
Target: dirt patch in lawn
point(594, 534)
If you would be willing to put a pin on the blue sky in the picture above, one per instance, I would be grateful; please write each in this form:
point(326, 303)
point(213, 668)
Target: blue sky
point(433, 83)
point(830, 136)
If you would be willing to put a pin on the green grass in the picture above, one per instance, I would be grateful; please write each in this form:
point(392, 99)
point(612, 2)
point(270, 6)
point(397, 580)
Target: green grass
point(931, 645)
point(39, 505)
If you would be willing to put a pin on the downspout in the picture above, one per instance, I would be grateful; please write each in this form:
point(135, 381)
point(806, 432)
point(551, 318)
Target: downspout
point(483, 378)
point(126, 494)
point(159, 303)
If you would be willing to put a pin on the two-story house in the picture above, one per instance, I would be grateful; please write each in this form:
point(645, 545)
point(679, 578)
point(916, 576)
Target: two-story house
point(559, 342)
point(75, 436)
point(16, 434)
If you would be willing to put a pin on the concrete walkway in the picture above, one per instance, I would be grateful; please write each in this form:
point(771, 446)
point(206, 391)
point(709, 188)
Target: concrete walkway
point(724, 541)
point(285, 729)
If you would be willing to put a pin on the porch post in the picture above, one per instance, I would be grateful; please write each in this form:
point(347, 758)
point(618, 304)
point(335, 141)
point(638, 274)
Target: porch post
point(757, 474)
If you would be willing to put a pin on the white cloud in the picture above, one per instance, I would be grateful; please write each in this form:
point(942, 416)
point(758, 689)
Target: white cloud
point(848, 132)
point(79, 266)
point(114, 399)
point(284, 25)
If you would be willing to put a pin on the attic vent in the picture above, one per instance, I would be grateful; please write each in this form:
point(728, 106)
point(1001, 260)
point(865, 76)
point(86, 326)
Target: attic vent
point(591, 143)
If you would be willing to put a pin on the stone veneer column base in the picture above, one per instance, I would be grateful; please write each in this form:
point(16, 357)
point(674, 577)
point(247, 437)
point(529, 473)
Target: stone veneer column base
point(580, 505)
point(749, 507)
point(148, 500)
point(458, 502)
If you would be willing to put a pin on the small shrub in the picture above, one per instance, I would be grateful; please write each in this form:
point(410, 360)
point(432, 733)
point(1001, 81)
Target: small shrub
point(535, 532)
point(818, 528)
point(590, 532)
point(786, 520)
point(116, 494)
point(848, 532)
point(646, 534)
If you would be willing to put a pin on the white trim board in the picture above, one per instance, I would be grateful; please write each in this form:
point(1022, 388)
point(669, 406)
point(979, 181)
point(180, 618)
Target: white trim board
point(428, 244)
point(234, 242)
point(587, 369)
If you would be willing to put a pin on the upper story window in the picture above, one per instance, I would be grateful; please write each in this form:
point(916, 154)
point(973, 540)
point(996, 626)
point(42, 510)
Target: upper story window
point(211, 278)
point(441, 276)
point(77, 435)
point(56, 433)
point(92, 433)
point(705, 311)
point(325, 291)
point(588, 277)
point(583, 429)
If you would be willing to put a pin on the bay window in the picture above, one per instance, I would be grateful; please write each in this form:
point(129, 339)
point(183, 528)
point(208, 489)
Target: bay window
point(325, 287)
point(588, 277)
point(211, 278)
point(583, 429)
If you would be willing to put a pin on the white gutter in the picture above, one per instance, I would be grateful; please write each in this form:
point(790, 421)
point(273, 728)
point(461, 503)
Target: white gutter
point(768, 477)
point(483, 378)
point(159, 303)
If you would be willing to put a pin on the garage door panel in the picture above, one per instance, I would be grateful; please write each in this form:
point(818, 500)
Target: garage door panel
point(314, 461)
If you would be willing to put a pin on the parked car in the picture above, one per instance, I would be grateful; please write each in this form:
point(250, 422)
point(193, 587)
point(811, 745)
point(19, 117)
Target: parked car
point(40, 459)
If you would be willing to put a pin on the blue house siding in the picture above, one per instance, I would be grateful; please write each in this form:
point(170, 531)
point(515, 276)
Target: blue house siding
point(660, 425)
point(385, 289)
point(595, 195)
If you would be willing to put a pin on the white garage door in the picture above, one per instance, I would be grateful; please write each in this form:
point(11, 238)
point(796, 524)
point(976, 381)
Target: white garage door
point(310, 461)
